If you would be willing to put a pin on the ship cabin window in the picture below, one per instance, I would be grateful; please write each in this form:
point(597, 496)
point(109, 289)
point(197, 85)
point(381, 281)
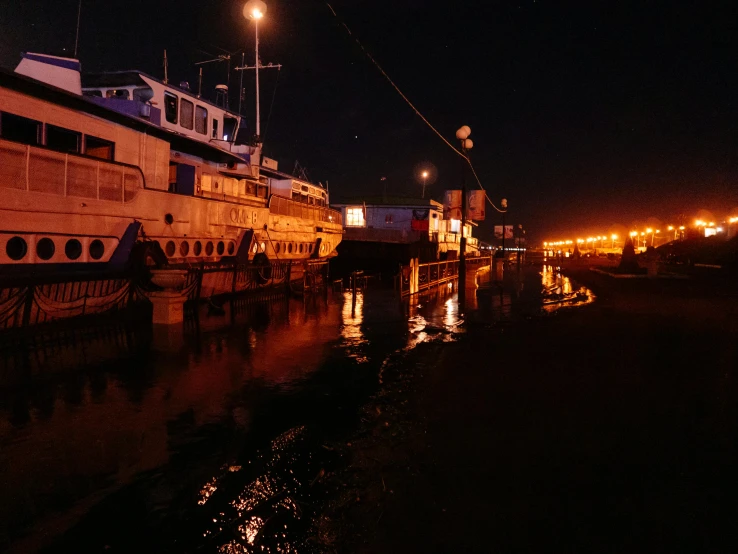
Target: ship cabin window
point(99, 148)
point(186, 114)
point(355, 217)
point(215, 128)
point(295, 196)
point(311, 200)
point(455, 225)
point(262, 191)
point(388, 218)
point(229, 127)
point(20, 129)
point(251, 188)
point(143, 94)
point(63, 140)
point(170, 107)
point(201, 120)
point(96, 93)
point(121, 93)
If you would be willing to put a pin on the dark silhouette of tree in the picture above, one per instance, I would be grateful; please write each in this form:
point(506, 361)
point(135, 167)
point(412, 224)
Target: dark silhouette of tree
point(577, 254)
point(628, 261)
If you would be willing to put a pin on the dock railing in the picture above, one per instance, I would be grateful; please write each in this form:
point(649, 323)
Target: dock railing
point(418, 277)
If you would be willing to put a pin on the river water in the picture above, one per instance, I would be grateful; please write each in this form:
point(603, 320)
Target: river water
point(216, 447)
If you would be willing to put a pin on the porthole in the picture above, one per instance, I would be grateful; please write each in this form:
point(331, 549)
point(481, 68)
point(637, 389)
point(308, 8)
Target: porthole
point(170, 248)
point(197, 248)
point(289, 248)
point(255, 248)
point(300, 248)
point(276, 247)
point(231, 248)
point(209, 248)
point(73, 249)
point(262, 246)
point(97, 249)
point(169, 219)
point(16, 248)
point(184, 248)
point(221, 248)
point(45, 248)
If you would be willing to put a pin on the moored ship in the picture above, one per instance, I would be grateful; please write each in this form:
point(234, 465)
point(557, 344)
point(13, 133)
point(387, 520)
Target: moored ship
point(102, 180)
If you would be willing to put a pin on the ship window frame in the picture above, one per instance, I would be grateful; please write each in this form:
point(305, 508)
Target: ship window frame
point(8, 119)
point(201, 120)
point(171, 111)
point(186, 120)
point(137, 93)
point(215, 128)
point(118, 93)
point(101, 144)
point(63, 133)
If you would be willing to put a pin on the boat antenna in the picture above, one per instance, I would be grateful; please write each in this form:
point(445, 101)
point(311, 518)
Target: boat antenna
point(76, 38)
point(199, 84)
point(166, 68)
point(240, 87)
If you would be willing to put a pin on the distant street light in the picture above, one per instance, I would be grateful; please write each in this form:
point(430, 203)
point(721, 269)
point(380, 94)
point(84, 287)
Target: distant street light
point(613, 237)
point(425, 179)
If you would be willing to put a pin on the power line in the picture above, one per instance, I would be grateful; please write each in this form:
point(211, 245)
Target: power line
point(412, 106)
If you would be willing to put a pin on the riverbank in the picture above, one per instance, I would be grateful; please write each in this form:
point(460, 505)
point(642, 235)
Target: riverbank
point(606, 427)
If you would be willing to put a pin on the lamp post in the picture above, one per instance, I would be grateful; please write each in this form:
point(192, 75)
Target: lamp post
point(424, 175)
point(613, 237)
point(466, 144)
point(255, 10)
point(503, 205)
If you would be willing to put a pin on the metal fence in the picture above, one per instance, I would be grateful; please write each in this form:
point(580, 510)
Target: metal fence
point(285, 206)
point(36, 169)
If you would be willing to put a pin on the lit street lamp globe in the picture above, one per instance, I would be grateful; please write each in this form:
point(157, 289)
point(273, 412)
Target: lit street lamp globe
point(463, 132)
point(254, 9)
point(467, 144)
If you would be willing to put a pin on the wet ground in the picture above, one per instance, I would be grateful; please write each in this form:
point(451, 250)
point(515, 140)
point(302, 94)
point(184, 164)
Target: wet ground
point(388, 427)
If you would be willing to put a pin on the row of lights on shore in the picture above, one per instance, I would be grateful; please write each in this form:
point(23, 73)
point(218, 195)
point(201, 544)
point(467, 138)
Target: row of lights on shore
point(642, 235)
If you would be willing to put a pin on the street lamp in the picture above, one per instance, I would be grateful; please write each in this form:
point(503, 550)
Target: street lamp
point(255, 10)
point(466, 144)
point(424, 175)
point(613, 237)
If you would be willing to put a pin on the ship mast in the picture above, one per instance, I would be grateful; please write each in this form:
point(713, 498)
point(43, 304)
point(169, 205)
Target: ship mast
point(255, 10)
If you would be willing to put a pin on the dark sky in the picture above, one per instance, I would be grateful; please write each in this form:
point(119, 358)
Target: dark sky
point(583, 114)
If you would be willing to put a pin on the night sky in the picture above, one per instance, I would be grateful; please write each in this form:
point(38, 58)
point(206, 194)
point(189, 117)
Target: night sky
point(583, 114)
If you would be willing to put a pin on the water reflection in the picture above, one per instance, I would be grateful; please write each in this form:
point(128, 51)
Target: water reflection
point(558, 290)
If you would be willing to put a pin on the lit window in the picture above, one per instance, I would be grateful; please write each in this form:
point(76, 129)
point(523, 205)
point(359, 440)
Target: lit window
point(355, 217)
point(117, 93)
point(388, 218)
point(455, 225)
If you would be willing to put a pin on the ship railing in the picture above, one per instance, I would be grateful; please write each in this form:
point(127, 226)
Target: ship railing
point(285, 206)
point(37, 169)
